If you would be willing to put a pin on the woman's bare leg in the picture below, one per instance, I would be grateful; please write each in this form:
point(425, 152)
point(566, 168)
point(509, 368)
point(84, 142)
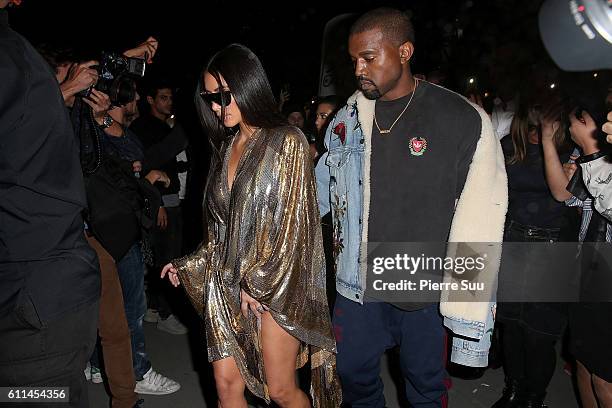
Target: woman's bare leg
point(603, 390)
point(280, 351)
point(585, 386)
point(229, 383)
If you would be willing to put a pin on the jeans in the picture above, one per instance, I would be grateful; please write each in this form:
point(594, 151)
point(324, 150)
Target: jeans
point(131, 275)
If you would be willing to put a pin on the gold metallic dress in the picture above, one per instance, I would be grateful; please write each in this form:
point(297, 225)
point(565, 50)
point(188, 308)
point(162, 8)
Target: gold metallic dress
point(265, 238)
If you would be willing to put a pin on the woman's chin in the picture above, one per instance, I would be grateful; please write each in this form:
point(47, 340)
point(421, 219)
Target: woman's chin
point(229, 122)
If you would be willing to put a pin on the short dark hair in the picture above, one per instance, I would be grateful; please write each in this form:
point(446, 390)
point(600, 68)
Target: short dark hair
point(156, 84)
point(250, 88)
point(394, 24)
point(56, 56)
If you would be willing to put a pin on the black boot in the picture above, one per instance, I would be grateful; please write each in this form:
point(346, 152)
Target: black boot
point(533, 400)
point(510, 397)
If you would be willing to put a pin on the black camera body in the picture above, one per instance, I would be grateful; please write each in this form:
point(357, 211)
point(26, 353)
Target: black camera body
point(116, 77)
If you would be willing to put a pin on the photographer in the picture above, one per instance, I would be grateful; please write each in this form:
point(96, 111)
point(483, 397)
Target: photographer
point(121, 206)
point(109, 153)
point(50, 277)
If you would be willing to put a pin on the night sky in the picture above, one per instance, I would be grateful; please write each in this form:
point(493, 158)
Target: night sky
point(463, 37)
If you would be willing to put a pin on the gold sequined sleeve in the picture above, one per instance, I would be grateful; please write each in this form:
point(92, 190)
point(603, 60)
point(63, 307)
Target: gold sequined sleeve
point(192, 270)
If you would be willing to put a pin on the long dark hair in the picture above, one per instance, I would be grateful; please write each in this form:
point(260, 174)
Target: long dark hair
point(250, 88)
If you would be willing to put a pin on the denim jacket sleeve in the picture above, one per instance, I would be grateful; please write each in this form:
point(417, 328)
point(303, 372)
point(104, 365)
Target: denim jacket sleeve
point(322, 175)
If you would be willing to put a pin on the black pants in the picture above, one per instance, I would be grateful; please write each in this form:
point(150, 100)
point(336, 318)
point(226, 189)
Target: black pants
point(529, 357)
point(50, 354)
point(167, 245)
point(530, 330)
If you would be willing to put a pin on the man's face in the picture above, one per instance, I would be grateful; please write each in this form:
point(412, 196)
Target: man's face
point(162, 102)
point(376, 61)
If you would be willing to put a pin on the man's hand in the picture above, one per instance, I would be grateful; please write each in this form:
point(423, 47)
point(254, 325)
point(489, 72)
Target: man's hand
point(145, 50)
point(607, 127)
point(100, 104)
point(154, 176)
point(583, 132)
point(162, 218)
point(80, 77)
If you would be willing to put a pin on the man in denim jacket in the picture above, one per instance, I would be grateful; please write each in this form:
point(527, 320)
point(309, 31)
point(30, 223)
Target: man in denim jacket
point(408, 161)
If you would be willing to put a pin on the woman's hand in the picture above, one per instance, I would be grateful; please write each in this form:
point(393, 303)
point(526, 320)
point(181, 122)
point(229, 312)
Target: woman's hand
point(569, 169)
point(607, 127)
point(583, 131)
point(550, 123)
point(247, 302)
point(172, 274)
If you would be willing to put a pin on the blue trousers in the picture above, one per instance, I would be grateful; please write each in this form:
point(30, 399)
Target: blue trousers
point(131, 274)
point(365, 332)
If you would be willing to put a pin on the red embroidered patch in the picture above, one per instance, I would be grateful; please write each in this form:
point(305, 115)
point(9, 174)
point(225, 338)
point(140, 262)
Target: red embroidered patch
point(418, 145)
point(340, 130)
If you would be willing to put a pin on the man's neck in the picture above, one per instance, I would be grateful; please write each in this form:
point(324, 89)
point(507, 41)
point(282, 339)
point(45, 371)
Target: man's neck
point(405, 86)
point(161, 116)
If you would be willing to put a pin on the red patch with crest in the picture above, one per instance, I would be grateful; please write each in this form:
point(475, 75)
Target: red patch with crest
point(417, 145)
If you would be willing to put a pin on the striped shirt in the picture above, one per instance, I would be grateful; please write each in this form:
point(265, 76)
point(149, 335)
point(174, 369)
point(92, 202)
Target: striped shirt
point(587, 212)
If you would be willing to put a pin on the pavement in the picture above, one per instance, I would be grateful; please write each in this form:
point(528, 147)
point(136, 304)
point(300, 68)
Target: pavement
point(183, 358)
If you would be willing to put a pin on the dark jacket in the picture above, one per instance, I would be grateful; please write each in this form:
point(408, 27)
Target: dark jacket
point(43, 252)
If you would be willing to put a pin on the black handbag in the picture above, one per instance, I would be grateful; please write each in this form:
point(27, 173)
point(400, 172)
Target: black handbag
point(120, 205)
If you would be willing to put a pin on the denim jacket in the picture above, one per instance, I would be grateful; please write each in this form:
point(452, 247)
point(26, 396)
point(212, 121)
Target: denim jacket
point(343, 182)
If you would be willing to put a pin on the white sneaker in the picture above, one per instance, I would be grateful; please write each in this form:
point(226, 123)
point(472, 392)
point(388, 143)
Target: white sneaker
point(172, 325)
point(88, 371)
point(96, 375)
point(153, 383)
point(152, 316)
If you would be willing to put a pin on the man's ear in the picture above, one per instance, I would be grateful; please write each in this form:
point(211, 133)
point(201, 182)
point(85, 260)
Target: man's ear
point(406, 50)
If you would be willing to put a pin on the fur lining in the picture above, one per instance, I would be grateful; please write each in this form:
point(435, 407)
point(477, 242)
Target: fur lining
point(479, 218)
point(365, 108)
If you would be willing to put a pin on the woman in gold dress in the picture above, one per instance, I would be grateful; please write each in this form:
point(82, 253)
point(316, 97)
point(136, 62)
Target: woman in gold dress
point(258, 281)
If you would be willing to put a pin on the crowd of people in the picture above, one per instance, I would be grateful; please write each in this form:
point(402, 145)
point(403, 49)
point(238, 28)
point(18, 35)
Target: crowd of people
point(93, 192)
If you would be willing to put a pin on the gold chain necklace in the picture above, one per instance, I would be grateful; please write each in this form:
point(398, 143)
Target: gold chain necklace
point(385, 131)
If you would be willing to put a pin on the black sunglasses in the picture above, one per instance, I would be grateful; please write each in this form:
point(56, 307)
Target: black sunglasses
point(222, 98)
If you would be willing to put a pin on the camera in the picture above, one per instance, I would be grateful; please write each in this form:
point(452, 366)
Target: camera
point(578, 33)
point(116, 77)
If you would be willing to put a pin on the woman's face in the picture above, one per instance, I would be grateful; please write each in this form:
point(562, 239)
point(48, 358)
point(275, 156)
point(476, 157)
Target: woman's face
point(323, 112)
point(296, 119)
point(233, 116)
